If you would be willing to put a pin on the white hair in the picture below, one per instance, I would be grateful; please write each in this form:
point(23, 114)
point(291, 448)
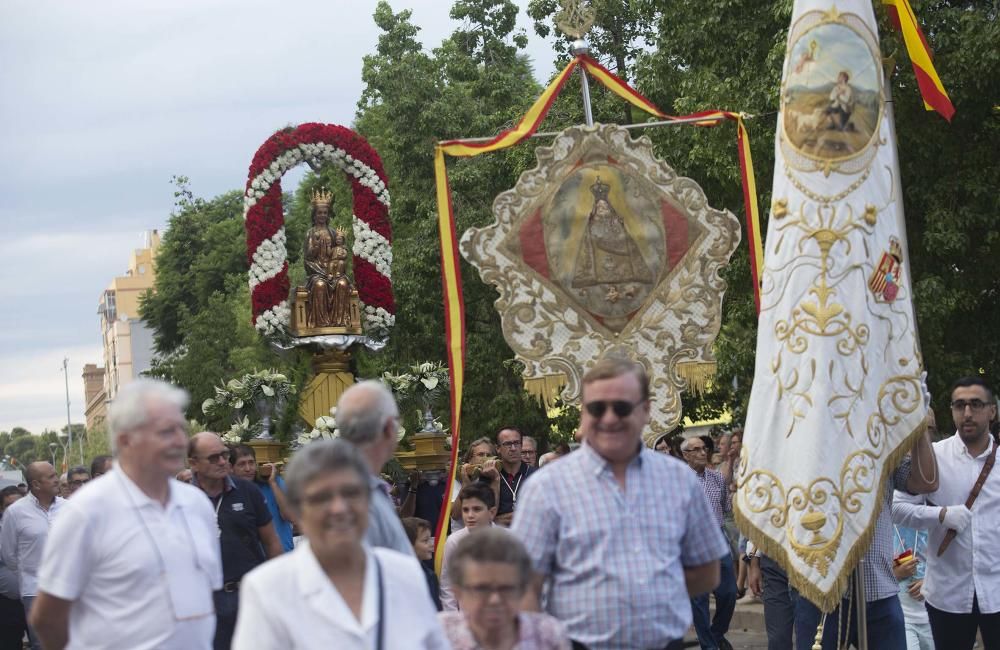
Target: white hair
point(130, 407)
point(363, 410)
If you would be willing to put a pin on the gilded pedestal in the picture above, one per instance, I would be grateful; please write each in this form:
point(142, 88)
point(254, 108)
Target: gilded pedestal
point(267, 451)
point(332, 377)
point(429, 454)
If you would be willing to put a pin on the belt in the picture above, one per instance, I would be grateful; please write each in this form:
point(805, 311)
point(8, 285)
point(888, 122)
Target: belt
point(230, 587)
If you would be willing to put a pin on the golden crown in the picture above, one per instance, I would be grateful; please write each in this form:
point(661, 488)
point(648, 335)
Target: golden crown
point(322, 197)
point(342, 233)
point(600, 189)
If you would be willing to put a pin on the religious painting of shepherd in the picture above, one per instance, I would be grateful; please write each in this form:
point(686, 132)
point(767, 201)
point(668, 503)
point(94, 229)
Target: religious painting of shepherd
point(832, 93)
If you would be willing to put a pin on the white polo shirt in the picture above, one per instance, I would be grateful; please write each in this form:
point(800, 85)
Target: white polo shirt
point(140, 575)
point(22, 538)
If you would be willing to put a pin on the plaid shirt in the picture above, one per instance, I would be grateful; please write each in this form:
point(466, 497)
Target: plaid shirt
point(614, 558)
point(877, 563)
point(719, 497)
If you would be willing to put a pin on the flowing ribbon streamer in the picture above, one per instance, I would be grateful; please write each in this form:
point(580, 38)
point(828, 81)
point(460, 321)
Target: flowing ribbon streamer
point(931, 89)
point(451, 277)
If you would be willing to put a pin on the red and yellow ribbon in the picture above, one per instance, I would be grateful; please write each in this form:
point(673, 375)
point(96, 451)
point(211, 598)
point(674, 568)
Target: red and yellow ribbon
point(931, 89)
point(451, 277)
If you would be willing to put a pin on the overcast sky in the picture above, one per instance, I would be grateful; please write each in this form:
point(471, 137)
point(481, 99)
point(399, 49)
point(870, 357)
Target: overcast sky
point(102, 101)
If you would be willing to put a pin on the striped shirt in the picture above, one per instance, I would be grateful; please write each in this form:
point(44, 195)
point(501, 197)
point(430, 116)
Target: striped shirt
point(614, 558)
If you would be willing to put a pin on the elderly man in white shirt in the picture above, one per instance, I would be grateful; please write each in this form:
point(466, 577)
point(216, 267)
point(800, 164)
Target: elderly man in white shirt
point(25, 528)
point(962, 584)
point(134, 557)
point(334, 591)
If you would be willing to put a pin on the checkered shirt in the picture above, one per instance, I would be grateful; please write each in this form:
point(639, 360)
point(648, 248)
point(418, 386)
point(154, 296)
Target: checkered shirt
point(877, 563)
point(614, 558)
point(719, 497)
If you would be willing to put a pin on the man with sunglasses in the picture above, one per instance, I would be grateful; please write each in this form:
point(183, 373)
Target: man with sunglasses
point(243, 522)
point(712, 631)
point(76, 478)
point(622, 535)
point(962, 584)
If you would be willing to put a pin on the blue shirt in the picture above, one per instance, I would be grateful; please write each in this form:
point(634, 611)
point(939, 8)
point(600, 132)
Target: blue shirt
point(615, 558)
point(281, 525)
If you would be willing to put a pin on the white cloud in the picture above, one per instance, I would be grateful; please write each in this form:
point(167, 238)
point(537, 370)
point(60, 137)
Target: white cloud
point(102, 101)
point(33, 388)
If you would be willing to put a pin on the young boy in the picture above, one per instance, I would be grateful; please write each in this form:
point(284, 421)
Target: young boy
point(419, 533)
point(479, 507)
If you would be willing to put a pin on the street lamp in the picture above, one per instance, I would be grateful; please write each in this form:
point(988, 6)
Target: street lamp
point(63, 440)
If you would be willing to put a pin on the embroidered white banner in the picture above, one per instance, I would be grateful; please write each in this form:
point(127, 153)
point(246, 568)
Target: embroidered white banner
point(837, 392)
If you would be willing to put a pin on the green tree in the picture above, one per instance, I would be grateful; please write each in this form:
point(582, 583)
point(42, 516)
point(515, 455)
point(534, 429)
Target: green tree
point(475, 84)
point(730, 57)
point(200, 308)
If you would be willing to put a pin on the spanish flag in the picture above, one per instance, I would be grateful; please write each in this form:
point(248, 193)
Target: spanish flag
point(931, 89)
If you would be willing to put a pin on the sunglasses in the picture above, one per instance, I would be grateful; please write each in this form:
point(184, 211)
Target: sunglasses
point(214, 458)
point(621, 408)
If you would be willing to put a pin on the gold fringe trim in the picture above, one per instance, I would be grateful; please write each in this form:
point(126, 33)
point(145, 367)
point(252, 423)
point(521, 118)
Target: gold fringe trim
point(829, 600)
point(546, 388)
point(697, 374)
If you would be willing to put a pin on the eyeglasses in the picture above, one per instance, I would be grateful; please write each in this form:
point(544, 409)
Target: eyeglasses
point(79, 482)
point(696, 450)
point(351, 494)
point(976, 405)
point(510, 444)
point(506, 592)
point(621, 408)
point(214, 458)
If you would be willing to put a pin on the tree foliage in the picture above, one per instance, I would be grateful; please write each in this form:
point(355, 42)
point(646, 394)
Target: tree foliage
point(685, 57)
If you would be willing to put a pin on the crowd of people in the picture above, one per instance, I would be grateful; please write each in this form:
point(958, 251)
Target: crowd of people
point(184, 542)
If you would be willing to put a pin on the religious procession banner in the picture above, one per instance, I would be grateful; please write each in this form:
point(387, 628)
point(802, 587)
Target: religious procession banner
point(837, 395)
point(604, 248)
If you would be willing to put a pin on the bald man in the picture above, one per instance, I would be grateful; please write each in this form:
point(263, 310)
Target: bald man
point(246, 530)
point(26, 525)
point(368, 418)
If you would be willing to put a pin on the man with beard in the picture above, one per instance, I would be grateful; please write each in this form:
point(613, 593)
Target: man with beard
point(962, 582)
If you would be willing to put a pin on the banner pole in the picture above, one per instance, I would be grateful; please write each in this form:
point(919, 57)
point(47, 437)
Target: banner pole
point(861, 603)
point(580, 47)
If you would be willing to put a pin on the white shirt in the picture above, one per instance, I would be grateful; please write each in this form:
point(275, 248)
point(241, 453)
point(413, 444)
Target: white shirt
point(140, 575)
point(448, 602)
point(22, 538)
point(971, 565)
point(290, 603)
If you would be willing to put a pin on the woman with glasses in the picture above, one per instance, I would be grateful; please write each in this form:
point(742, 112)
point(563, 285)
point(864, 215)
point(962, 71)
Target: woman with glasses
point(332, 591)
point(490, 573)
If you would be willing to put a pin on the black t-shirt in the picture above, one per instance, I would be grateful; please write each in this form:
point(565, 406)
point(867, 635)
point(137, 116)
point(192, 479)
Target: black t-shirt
point(510, 487)
point(242, 511)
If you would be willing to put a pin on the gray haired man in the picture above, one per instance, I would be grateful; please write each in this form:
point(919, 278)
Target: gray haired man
point(368, 418)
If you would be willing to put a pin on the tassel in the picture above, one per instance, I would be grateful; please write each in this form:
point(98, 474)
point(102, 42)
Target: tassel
point(697, 374)
point(546, 388)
